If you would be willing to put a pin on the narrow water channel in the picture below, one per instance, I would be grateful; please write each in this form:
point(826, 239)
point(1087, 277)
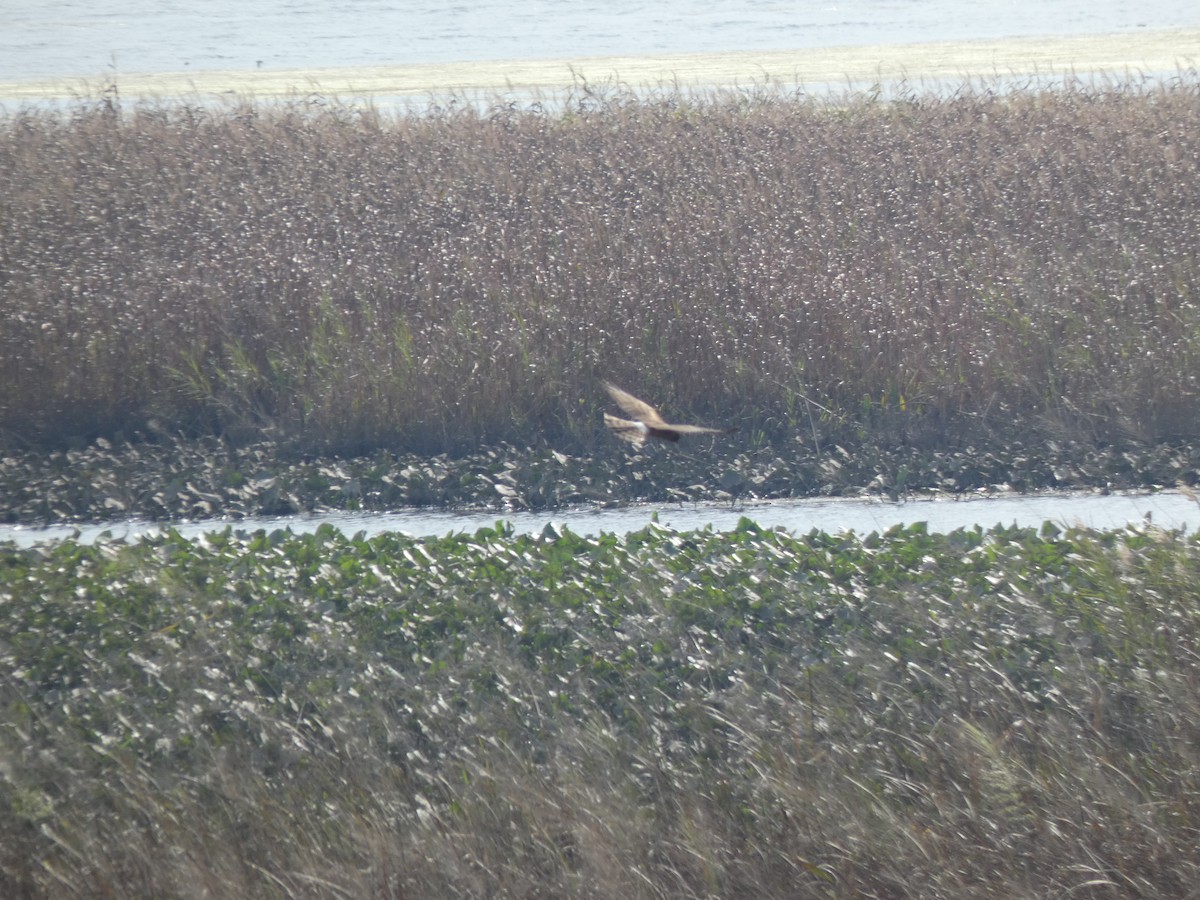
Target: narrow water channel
point(1166, 509)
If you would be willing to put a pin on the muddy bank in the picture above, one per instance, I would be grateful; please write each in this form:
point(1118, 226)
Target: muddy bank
point(1158, 51)
point(210, 478)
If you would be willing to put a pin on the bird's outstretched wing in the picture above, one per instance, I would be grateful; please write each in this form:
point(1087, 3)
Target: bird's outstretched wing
point(632, 406)
point(647, 422)
point(634, 432)
point(700, 429)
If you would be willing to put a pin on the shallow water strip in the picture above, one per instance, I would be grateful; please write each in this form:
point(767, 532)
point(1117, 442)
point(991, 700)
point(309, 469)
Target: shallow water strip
point(1165, 509)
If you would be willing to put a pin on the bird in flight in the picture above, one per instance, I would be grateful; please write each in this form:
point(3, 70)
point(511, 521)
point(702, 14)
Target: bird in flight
point(645, 422)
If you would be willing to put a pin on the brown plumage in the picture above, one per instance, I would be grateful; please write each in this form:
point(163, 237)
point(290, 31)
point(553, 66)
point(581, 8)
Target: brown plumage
point(645, 422)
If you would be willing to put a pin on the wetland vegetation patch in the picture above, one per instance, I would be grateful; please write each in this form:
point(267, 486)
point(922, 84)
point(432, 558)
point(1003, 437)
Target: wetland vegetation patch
point(970, 269)
point(211, 478)
point(267, 309)
point(1010, 712)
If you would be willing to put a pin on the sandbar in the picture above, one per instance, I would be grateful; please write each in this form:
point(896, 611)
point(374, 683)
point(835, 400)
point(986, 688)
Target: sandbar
point(1128, 54)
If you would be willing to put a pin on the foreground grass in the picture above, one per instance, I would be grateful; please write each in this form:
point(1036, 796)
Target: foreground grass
point(927, 270)
point(989, 714)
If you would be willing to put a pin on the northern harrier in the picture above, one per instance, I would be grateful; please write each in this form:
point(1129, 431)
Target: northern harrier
point(646, 422)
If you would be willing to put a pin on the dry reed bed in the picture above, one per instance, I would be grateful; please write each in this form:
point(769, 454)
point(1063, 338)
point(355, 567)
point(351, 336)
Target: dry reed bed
point(926, 267)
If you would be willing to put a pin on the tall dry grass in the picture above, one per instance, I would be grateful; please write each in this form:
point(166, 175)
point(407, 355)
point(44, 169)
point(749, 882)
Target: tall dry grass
point(931, 267)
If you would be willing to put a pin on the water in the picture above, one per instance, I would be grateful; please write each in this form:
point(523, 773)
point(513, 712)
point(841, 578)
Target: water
point(1167, 509)
point(87, 39)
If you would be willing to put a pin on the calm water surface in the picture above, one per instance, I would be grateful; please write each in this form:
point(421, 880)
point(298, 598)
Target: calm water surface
point(1167, 509)
point(81, 38)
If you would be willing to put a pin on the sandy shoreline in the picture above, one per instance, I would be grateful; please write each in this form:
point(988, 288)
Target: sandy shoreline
point(1113, 54)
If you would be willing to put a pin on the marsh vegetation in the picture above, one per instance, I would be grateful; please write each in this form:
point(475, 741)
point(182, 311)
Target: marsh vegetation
point(262, 309)
point(931, 270)
point(1004, 713)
